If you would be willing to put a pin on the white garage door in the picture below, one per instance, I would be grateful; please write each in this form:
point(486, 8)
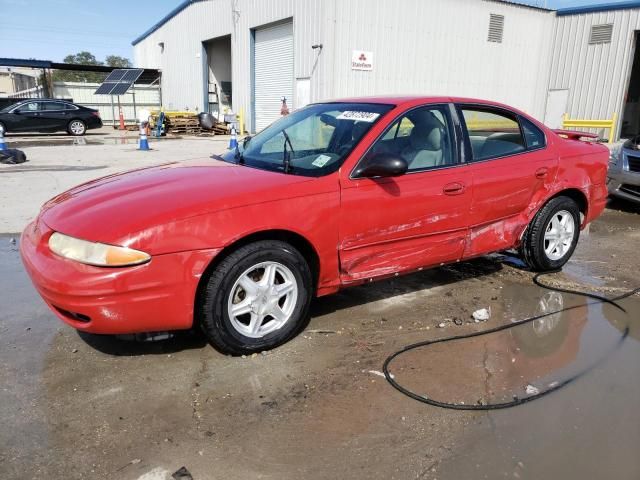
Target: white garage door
point(273, 69)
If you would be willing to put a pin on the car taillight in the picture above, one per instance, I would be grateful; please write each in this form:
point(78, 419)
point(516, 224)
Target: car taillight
point(96, 113)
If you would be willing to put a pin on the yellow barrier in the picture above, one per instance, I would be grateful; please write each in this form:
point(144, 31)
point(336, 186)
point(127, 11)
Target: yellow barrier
point(174, 113)
point(575, 123)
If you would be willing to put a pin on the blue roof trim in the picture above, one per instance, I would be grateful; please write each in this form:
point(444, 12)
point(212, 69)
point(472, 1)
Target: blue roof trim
point(165, 19)
point(23, 62)
point(602, 7)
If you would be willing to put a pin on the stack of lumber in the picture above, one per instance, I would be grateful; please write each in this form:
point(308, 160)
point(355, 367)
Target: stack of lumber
point(186, 123)
point(183, 124)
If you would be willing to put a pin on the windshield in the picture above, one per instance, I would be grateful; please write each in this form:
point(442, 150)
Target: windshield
point(313, 141)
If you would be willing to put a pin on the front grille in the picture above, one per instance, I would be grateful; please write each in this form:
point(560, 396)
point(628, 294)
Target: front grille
point(634, 163)
point(630, 189)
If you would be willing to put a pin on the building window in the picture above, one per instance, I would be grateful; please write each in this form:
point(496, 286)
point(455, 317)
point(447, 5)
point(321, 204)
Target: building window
point(601, 33)
point(496, 28)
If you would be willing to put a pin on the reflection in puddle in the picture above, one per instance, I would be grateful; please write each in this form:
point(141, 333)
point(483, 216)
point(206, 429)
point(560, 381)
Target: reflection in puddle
point(83, 141)
point(521, 361)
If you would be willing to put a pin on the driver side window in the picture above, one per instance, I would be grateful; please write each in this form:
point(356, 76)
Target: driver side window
point(422, 137)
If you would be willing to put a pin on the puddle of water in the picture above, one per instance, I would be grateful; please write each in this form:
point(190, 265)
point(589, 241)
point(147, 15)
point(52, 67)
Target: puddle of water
point(590, 428)
point(83, 141)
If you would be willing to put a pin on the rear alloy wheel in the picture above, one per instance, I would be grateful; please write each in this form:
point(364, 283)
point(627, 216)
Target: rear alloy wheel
point(256, 299)
point(553, 235)
point(77, 127)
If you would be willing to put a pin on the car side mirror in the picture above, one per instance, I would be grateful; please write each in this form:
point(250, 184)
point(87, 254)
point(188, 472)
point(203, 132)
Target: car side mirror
point(384, 165)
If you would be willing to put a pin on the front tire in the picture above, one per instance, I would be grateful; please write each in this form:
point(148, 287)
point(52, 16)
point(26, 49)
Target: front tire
point(552, 235)
point(256, 299)
point(76, 128)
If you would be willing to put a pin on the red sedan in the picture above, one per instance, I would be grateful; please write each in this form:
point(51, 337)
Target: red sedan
point(335, 194)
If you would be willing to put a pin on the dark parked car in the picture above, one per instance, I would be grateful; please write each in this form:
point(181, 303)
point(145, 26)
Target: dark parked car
point(48, 116)
point(624, 171)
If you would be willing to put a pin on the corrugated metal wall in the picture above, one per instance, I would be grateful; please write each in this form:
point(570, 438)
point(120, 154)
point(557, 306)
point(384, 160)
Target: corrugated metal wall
point(181, 62)
point(595, 75)
point(420, 46)
point(441, 47)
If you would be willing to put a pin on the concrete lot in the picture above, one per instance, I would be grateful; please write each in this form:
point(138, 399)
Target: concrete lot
point(79, 406)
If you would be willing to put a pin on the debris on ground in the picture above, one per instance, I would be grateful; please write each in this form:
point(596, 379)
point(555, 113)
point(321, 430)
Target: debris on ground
point(322, 331)
point(531, 390)
point(482, 315)
point(182, 474)
point(12, 156)
point(380, 374)
point(442, 325)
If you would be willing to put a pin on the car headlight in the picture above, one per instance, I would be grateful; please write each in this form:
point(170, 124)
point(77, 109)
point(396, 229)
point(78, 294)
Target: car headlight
point(92, 253)
point(614, 156)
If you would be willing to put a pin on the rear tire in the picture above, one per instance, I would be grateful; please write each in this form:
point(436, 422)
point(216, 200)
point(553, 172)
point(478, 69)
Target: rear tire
point(76, 128)
point(242, 308)
point(552, 235)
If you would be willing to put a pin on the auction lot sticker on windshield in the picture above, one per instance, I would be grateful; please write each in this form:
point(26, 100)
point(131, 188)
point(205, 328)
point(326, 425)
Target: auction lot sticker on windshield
point(321, 161)
point(359, 116)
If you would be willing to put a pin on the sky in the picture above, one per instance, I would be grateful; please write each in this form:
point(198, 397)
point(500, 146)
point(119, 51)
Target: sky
point(52, 29)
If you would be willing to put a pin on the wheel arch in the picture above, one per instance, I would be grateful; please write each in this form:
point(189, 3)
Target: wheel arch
point(301, 243)
point(577, 196)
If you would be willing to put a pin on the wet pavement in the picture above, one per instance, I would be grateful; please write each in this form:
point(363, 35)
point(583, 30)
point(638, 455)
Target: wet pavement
point(86, 406)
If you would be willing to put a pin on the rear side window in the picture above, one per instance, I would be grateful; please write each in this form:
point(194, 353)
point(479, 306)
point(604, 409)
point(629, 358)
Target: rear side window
point(492, 133)
point(52, 106)
point(532, 134)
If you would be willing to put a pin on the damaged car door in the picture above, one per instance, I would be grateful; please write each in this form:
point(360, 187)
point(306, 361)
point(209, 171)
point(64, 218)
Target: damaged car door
point(399, 221)
point(512, 170)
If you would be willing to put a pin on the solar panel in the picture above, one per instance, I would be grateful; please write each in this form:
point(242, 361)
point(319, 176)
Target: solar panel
point(119, 81)
point(120, 89)
point(105, 88)
point(116, 75)
point(132, 75)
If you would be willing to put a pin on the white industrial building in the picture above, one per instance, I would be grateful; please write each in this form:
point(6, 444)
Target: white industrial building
point(247, 54)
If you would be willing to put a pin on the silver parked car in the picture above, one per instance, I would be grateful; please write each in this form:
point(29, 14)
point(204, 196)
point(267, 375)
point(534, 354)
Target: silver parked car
point(624, 171)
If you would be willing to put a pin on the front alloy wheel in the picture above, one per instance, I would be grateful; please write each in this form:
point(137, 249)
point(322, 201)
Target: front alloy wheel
point(263, 299)
point(256, 298)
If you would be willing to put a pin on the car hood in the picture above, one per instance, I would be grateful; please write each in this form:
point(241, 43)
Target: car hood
point(116, 208)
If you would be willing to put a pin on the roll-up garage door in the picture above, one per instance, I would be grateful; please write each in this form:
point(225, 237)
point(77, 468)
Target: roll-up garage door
point(273, 67)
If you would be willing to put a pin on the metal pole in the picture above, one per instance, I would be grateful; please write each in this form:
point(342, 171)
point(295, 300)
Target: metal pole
point(113, 113)
point(133, 93)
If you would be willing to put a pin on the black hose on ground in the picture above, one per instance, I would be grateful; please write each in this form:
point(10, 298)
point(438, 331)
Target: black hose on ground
point(516, 401)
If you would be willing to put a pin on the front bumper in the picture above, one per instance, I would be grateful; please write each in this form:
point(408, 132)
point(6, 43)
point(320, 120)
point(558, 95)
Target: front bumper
point(157, 296)
point(624, 177)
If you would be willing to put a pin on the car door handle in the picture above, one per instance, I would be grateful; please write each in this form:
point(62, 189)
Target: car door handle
point(454, 188)
point(542, 172)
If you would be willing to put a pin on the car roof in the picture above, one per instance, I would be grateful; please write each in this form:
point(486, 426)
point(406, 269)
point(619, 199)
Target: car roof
point(403, 99)
point(29, 100)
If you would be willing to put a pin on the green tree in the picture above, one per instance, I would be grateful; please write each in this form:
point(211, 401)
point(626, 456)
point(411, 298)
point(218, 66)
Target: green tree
point(87, 58)
point(118, 62)
point(80, 58)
